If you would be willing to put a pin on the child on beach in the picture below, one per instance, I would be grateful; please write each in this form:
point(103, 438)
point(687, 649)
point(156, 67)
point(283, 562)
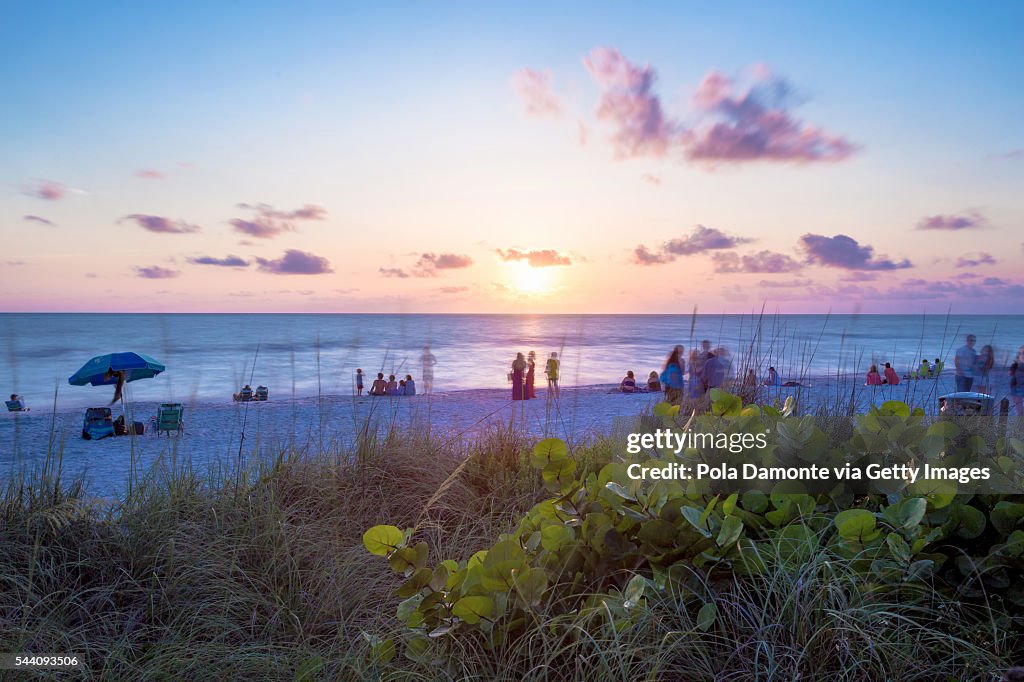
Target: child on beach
point(873, 378)
point(359, 382)
point(410, 385)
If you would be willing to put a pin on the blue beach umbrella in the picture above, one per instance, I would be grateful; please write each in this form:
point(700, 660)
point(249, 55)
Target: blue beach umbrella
point(99, 370)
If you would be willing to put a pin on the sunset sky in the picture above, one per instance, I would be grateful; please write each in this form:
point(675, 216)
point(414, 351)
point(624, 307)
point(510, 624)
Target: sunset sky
point(528, 157)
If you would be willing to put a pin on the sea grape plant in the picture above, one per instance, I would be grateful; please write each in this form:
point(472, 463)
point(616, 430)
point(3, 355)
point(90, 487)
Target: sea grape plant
point(601, 542)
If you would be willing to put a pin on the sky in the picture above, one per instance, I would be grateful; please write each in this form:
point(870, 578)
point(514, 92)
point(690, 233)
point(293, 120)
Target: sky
point(514, 157)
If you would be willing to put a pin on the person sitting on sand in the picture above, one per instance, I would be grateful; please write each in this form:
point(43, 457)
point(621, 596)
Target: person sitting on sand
point(379, 387)
point(628, 383)
point(653, 385)
point(773, 377)
point(392, 387)
point(873, 378)
point(925, 370)
point(359, 382)
point(937, 368)
point(245, 395)
point(750, 379)
point(891, 376)
point(401, 388)
point(16, 404)
point(410, 385)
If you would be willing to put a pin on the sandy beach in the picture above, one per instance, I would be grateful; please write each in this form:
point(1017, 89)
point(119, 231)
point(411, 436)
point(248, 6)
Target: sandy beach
point(213, 430)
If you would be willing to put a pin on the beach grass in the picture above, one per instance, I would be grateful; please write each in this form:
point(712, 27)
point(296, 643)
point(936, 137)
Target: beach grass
point(263, 574)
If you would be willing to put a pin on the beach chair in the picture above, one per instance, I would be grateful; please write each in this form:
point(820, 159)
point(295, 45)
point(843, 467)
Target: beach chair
point(16, 405)
point(169, 418)
point(98, 423)
point(262, 393)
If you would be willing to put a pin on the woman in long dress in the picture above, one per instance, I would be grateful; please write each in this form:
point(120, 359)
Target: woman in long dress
point(531, 374)
point(518, 371)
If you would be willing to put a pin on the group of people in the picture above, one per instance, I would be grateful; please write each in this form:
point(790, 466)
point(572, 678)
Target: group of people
point(389, 386)
point(708, 369)
point(889, 376)
point(524, 374)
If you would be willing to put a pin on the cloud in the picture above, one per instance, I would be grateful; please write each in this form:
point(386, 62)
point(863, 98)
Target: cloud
point(155, 223)
point(629, 104)
point(535, 91)
point(762, 261)
point(731, 122)
point(702, 239)
point(443, 261)
point(973, 260)
point(226, 261)
point(295, 262)
point(156, 272)
point(651, 179)
point(38, 219)
point(453, 290)
point(784, 284)
point(841, 251)
point(149, 174)
point(1013, 154)
point(966, 221)
point(48, 190)
point(393, 272)
point(860, 276)
point(753, 124)
point(270, 222)
point(537, 258)
point(644, 256)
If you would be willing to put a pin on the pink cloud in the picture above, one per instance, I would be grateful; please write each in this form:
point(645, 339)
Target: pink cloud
point(700, 240)
point(270, 222)
point(841, 251)
point(629, 104)
point(966, 221)
point(48, 190)
point(535, 91)
point(537, 258)
point(156, 272)
point(443, 261)
point(295, 262)
point(753, 124)
point(973, 260)
point(159, 224)
point(762, 262)
point(149, 174)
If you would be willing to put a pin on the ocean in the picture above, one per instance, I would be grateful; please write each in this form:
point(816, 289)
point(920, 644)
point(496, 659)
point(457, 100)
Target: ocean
point(209, 356)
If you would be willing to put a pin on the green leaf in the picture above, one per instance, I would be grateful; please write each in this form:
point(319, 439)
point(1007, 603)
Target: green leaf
point(620, 490)
point(754, 501)
point(472, 609)
point(665, 410)
point(408, 606)
point(732, 528)
point(531, 584)
point(938, 492)
point(730, 504)
point(695, 517)
point(706, 616)
point(554, 536)
point(558, 475)
point(724, 404)
point(634, 591)
point(382, 540)
point(416, 582)
point(972, 521)
point(855, 524)
point(898, 547)
point(547, 451)
point(896, 407)
point(907, 513)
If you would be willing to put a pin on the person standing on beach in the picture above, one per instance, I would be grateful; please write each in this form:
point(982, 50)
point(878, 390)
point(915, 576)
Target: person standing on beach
point(1017, 382)
point(428, 360)
point(965, 360)
point(672, 376)
point(983, 368)
point(110, 374)
point(552, 371)
point(698, 385)
point(359, 382)
point(518, 373)
point(531, 375)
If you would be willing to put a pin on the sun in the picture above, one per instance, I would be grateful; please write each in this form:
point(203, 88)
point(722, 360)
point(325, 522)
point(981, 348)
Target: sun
point(530, 280)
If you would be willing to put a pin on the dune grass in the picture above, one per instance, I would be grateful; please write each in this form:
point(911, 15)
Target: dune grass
point(207, 575)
